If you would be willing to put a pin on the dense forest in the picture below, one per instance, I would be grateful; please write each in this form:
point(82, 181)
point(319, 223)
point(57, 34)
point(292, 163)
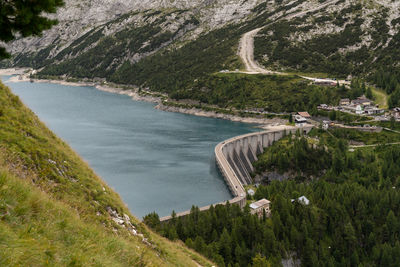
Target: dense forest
point(272, 93)
point(352, 219)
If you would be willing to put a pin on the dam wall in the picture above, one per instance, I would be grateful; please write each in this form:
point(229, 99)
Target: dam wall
point(234, 158)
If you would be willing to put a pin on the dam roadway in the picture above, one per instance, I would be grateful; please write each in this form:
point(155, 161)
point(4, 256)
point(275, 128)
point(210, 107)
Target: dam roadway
point(234, 158)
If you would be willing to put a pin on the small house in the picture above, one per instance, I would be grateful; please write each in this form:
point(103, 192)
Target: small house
point(299, 119)
point(373, 111)
point(344, 102)
point(359, 110)
point(260, 206)
point(325, 125)
point(362, 100)
point(304, 114)
point(324, 107)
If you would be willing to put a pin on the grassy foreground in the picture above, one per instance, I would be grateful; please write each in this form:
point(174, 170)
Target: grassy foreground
point(55, 211)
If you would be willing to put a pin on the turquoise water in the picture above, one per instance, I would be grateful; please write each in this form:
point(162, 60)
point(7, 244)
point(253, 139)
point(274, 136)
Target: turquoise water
point(156, 160)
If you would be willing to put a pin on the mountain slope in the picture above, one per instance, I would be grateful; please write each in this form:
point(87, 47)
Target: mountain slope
point(55, 210)
point(174, 50)
point(337, 36)
point(78, 18)
point(350, 37)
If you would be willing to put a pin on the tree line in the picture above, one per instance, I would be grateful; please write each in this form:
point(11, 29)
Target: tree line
point(352, 219)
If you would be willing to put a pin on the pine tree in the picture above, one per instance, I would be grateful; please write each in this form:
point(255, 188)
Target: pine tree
point(25, 18)
point(260, 261)
point(225, 246)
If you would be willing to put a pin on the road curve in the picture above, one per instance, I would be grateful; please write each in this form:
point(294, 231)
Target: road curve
point(246, 53)
point(246, 44)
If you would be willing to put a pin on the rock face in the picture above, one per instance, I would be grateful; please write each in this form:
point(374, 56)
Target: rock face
point(106, 38)
point(79, 17)
point(345, 37)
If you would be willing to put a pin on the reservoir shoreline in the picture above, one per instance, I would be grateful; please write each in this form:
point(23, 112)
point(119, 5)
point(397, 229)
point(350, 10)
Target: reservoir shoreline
point(152, 97)
point(153, 159)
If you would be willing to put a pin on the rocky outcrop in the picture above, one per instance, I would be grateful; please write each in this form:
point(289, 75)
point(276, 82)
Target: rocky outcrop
point(113, 35)
point(79, 17)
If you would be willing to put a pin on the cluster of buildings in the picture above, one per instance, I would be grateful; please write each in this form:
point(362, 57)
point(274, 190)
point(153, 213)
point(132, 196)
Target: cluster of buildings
point(359, 106)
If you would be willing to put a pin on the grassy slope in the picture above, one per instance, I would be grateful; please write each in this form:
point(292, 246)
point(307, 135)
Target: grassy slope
point(53, 208)
point(381, 97)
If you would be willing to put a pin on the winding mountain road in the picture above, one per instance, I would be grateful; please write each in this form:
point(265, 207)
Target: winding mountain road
point(246, 53)
point(246, 44)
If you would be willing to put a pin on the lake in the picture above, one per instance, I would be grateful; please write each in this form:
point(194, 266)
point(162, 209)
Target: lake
point(156, 161)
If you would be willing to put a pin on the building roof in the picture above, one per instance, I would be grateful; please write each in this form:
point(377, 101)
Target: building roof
point(304, 200)
point(300, 119)
point(260, 203)
point(361, 100)
point(304, 114)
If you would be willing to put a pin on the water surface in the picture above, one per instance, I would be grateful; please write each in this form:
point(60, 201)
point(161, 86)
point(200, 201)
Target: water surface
point(156, 160)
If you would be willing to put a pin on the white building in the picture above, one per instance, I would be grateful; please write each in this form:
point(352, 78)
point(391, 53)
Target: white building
point(303, 200)
point(359, 110)
point(325, 125)
point(260, 206)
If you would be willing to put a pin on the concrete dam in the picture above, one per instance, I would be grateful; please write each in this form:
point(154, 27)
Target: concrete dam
point(234, 158)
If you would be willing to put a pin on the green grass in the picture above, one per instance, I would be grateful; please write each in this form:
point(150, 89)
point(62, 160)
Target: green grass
point(380, 97)
point(53, 207)
point(36, 230)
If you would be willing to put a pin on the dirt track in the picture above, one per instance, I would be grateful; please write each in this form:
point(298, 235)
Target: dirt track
point(246, 44)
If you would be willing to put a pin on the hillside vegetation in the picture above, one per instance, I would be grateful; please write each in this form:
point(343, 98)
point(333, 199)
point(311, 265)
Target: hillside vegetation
point(55, 211)
point(273, 93)
point(170, 51)
point(351, 37)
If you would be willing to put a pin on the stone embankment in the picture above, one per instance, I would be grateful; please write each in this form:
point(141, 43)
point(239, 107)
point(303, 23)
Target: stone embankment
point(235, 156)
point(214, 114)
